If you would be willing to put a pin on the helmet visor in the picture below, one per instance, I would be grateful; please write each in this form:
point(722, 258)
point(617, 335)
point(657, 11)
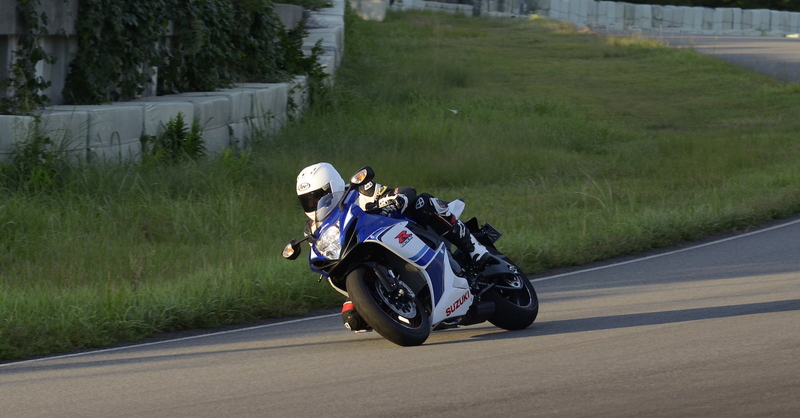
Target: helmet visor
point(309, 200)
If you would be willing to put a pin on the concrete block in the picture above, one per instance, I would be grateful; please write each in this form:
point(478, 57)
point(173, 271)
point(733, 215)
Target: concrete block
point(673, 17)
point(756, 20)
point(114, 132)
point(116, 151)
point(578, 9)
point(629, 14)
point(784, 22)
point(643, 16)
point(684, 17)
point(727, 20)
point(774, 21)
point(540, 7)
point(337, 32)
point(69, 129)
point(557, 10)
point(240, 134)
point(241, 102)
point(708, 19)
point(658, 16)
point(299, 95)
point(13, 129)
point(374, 10)
point(719, 20)
point(290, 15)
point(212, 111)
point(697, 18)
point(602, 16)
point(794, 22)
point(158, 114)
point(216, 140)
point(269, 99)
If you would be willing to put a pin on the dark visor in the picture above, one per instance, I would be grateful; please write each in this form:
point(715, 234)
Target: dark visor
point(309, 200)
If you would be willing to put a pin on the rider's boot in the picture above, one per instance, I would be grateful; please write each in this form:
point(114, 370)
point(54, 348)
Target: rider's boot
point(460, 236)
point(352, 320)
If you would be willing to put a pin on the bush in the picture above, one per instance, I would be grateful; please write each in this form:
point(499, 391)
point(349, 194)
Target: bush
point(177, 142)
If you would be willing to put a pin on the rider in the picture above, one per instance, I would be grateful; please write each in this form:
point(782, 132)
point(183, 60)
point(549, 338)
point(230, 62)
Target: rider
point(316, 181)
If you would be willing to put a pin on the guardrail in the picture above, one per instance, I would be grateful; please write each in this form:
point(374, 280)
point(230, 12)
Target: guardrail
point(676, 19)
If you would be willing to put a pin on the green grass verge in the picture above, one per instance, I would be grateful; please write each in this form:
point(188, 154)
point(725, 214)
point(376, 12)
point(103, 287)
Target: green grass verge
point(576, 147)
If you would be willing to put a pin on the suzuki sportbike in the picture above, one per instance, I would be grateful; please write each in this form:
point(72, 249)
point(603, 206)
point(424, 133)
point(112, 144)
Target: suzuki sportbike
point(403, 279)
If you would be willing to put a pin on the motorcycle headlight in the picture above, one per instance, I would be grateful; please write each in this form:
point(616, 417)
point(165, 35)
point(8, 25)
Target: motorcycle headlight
point(328, 242)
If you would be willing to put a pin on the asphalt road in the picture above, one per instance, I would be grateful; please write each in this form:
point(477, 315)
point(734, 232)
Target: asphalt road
point(776, 57)
point(711, 330)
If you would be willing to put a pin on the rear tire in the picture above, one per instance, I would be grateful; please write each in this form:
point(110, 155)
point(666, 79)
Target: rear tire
point(363, 287)
point(515, 309)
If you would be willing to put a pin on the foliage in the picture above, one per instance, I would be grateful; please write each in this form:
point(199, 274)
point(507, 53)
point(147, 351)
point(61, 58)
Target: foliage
point(294, 61)
point(23, 83)
point(196, 45)
point(38, 163)
point(219, 42)
point(117, 47)
point(177, 142)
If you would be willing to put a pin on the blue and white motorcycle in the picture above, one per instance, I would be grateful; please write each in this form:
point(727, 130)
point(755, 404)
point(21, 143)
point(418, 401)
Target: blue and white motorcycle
point(402, 277)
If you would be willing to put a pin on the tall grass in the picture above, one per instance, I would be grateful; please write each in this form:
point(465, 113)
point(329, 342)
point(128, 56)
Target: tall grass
point(575, 146)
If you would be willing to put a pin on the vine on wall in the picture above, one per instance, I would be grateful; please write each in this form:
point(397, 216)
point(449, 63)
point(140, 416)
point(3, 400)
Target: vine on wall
point(23, 88)
point(117, 47)
point(195, 45)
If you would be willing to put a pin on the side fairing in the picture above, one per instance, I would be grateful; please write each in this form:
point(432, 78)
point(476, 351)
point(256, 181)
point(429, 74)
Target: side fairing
point(451, 294)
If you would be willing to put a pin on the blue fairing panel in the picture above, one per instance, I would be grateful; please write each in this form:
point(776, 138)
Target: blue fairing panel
point(435, 272)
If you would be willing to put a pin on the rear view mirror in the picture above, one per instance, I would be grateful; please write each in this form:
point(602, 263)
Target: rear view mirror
point(291, 251)
point(362, 176)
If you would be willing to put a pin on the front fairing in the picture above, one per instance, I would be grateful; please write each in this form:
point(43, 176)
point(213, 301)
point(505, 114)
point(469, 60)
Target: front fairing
point(344, 225)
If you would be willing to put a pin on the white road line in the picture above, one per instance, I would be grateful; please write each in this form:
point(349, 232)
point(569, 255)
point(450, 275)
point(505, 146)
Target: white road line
point(294, 321)
point(622, 263)
point(107, 350)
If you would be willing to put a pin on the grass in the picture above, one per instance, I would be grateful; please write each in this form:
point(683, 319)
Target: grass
point(576, 147)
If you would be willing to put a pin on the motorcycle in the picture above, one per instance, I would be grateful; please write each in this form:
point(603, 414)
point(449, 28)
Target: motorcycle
point(403, 278)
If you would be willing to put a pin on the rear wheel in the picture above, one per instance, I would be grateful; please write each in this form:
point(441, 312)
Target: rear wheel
point(515, 301)
point(402, 320)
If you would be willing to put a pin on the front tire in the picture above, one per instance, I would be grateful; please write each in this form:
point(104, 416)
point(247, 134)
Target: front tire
point(382, 312)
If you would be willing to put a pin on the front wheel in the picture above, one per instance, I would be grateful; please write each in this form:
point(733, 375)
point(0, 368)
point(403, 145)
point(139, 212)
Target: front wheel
point(402, 320)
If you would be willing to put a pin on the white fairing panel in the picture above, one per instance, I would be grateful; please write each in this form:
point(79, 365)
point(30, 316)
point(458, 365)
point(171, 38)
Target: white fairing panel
point(450, 293)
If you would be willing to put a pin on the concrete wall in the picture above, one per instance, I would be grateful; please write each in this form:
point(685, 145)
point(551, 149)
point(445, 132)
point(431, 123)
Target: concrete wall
point(63, 44)
point(493, 8)
point(229, 117)
point(676, 19)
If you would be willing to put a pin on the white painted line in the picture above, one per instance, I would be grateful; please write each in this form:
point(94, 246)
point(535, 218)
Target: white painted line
point(108, 350)
point(667, 253)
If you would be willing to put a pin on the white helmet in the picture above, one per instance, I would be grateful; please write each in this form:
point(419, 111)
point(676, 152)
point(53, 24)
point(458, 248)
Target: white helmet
point(315, 182)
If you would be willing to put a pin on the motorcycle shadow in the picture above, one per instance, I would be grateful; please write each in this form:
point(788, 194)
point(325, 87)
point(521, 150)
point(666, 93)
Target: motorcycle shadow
point(478, 333)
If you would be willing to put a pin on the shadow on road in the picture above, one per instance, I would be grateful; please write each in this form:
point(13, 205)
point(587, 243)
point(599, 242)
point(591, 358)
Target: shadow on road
point(644, 319)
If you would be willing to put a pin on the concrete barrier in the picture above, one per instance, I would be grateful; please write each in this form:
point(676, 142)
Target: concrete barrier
point(681, 19)
point(228, 117)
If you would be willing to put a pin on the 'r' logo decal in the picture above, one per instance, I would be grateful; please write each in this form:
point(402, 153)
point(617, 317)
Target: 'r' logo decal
point(403, 237)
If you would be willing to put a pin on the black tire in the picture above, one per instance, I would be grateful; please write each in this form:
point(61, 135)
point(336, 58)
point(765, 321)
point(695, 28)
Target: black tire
point(363, 287)
point(514, 308)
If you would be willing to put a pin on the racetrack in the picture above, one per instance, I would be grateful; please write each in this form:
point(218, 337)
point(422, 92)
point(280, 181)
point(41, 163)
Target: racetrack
point(772, 56)
point(710, 330)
